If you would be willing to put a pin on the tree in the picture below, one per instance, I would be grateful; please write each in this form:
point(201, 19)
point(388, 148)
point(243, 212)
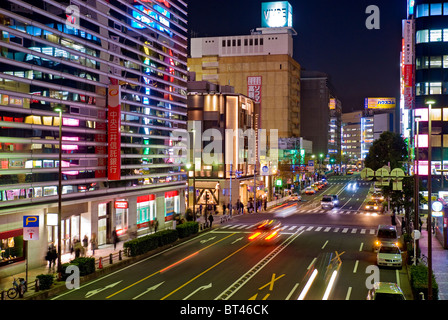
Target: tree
point(389, 148)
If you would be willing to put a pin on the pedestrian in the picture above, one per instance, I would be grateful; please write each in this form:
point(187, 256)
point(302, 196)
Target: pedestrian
point(265, 204)
point(49, 257)
point(392, 217)
point(85, 243)
point(78, 248)
point(54, 255)
point(115, 238)
point(156, 225)
point(210, 218)
point(93, 243)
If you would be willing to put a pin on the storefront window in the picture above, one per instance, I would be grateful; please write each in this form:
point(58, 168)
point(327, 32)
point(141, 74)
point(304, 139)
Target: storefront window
point(146, 209)
point(172, 204)
point(121, 216)
point(11, 247)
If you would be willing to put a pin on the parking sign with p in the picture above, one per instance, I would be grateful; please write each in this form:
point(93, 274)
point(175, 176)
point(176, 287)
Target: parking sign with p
point(30, 227)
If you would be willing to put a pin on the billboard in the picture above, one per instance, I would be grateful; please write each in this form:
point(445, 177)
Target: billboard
point(276, 14)
point(379, 103)
point(114, 133)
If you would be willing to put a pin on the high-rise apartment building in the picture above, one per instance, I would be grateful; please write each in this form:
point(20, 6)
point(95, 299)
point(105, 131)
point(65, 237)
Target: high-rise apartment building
point(111, 75)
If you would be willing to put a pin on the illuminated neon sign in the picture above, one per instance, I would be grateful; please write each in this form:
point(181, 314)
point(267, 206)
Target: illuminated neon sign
point(276, 14)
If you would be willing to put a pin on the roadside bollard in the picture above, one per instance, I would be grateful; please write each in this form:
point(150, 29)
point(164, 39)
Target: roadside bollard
point(100, 263)
point(110, 258)
point(119, 255)
point(36, 285)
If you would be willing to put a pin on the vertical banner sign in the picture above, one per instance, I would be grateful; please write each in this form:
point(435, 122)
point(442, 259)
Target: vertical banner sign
point(114, 133)
point(101, 149)
point(408, 61)
point(30, 228)
point(254, 88)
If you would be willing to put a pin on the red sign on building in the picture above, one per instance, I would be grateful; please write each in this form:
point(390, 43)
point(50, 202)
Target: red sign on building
point(114, 133)
point(254, 88)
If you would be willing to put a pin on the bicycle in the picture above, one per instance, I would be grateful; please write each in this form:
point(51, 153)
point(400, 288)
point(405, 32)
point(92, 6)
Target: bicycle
point(423, 260)
point(18, 288)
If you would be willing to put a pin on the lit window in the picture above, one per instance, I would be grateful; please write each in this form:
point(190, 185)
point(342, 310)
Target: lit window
point(436, 9)
point(435, 35)
point(435, 62)
point(422, 10)
point(422, 36)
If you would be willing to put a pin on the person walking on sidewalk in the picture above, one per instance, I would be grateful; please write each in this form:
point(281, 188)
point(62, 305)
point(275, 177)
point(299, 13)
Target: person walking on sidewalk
point(93, 243)
point(85, 243)
point(210, 218)
point(115, 238)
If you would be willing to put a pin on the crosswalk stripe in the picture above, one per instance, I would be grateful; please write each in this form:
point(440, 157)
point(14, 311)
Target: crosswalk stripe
point(297, 228)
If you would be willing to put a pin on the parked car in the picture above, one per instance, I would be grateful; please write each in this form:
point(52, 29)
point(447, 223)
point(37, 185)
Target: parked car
point(385, 291)
point(389, 256)
point(296, 196)
point(377, 196)
point(310, 190)
point(385, 235)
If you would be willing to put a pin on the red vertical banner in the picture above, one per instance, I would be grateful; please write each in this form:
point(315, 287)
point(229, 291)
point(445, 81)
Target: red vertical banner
point(114, 133)
point(254, 88)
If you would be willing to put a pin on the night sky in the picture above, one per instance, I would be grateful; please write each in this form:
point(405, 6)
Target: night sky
point(331, 37)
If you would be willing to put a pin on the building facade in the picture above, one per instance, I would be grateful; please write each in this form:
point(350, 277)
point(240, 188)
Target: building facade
point(111, 77)
point(227, 177)
point(320, 114)
point(259, 65)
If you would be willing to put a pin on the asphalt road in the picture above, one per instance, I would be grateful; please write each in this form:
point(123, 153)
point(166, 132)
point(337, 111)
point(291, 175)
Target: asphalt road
point(316, 247)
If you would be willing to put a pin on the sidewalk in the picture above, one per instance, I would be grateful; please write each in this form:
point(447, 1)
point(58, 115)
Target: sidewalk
point(104, 251)
point(439, 262)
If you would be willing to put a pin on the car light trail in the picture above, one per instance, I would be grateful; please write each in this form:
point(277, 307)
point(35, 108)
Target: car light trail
point(269, 237)
point(308, 285)
point(252, 237)
point(330, 285)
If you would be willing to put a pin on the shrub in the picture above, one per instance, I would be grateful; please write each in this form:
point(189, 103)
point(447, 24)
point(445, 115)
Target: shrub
point(150, 242)
point(86, 266)
point(45, 281)
point(419, 282)
point(188, 228)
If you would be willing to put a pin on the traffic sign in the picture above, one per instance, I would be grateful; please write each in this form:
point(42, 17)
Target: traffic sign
point(30, 221)
point(367, 174)
point(30, 227)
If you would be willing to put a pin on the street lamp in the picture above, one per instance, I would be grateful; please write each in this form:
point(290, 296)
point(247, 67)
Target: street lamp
point(429, 103)
point(60, 192)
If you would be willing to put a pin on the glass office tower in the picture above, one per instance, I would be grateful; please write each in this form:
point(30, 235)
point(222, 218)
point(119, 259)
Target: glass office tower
point(111, 75)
